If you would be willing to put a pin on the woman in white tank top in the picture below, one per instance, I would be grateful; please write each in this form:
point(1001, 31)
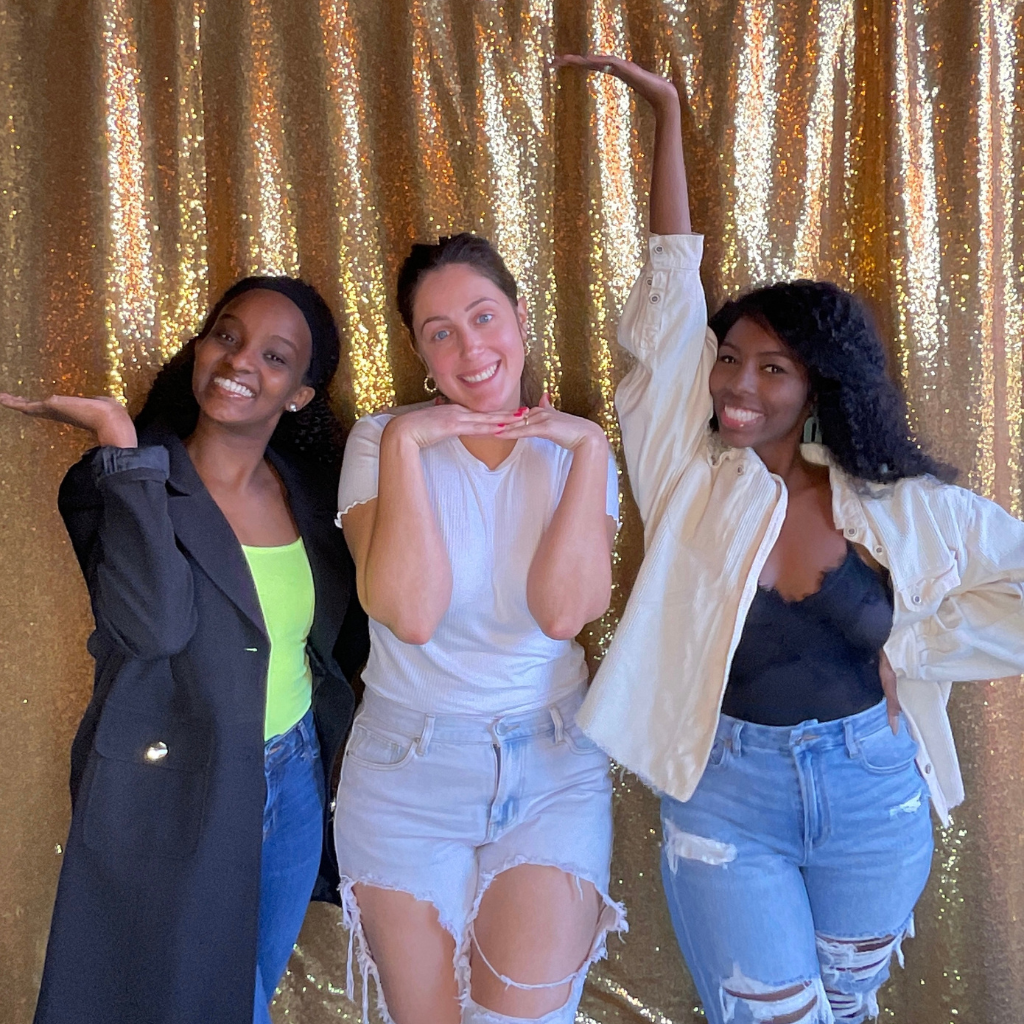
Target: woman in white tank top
point(473, 821)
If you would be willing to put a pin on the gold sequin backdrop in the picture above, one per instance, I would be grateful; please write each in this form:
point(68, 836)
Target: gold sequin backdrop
point(151, 152)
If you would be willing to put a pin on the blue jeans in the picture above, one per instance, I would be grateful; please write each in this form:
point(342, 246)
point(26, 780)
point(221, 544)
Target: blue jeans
point(292, 842)
point(792, 873)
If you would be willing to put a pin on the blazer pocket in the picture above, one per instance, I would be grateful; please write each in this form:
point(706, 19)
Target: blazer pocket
point(147, 795)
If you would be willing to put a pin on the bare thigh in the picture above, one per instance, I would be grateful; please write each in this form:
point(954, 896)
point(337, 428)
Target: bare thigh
point(414, 955)
point(536, 925)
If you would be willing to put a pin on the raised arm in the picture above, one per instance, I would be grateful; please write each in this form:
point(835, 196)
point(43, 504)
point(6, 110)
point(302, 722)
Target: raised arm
point(669, 201)
point(663, 402)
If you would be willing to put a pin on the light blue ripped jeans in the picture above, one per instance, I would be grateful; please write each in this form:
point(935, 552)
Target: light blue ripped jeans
point(792, 873)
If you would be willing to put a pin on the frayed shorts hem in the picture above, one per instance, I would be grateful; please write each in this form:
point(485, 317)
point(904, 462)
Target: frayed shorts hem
point(612, 918)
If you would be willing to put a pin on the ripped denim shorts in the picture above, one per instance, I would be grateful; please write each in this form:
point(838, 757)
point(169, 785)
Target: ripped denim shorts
point(437, 806)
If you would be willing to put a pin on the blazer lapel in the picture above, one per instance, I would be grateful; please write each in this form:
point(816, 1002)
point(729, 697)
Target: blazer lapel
point(203, 531)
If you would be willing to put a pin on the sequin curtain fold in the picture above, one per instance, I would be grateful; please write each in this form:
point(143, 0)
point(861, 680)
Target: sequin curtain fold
point(151, 153)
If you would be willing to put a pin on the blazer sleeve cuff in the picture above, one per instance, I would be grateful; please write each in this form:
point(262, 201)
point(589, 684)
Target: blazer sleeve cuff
point(151, 463)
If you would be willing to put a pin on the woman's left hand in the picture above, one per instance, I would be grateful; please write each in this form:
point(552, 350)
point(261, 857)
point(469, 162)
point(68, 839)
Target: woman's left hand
point(544, 420)
point(892, 701)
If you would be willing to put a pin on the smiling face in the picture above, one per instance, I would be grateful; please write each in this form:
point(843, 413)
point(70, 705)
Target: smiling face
point(250, 366)
point(761, 391)
point(470, 337)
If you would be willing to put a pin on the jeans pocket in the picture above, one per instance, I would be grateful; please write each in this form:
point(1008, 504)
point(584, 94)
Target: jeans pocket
point(884, 754)
point(378, 750)
point(578, 741)
point(718, 751)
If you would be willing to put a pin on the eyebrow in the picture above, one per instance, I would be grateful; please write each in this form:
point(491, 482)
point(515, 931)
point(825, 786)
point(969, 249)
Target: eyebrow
point(769, 352)
point(475, 302)
point(274, 337)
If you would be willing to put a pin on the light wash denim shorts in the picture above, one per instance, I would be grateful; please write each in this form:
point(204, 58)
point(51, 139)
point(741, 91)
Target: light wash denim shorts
point(437, 806)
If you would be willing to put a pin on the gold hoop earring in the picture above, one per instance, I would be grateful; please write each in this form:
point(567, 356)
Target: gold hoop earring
point(430, 385)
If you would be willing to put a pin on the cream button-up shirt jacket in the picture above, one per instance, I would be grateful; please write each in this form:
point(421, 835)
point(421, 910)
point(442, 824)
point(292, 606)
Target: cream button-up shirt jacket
point(712, 514)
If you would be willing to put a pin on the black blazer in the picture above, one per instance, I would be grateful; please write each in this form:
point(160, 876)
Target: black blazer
point(158, 901)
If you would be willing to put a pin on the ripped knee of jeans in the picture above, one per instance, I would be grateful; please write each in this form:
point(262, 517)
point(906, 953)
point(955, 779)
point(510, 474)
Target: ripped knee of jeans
point(680, 845)
point(853, 970)
point(800, 1002)
point(610, 918)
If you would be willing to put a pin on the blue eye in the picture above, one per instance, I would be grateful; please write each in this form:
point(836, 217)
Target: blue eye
point(441, 335)
point(485, 318)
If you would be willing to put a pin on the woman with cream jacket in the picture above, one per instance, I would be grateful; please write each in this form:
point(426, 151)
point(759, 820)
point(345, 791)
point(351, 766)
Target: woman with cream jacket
point(781, 671)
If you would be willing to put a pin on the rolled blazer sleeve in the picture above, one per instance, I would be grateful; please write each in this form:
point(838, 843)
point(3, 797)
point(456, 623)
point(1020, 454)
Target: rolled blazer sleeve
point(663, 402)
point(114, 505)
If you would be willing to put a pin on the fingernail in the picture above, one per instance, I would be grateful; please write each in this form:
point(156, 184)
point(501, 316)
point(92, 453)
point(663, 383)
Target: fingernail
point(521, 410)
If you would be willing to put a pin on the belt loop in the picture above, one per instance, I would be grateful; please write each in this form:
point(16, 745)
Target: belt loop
point(737, 745)
point(556, 719)
point(850, 735)
point(424, 741)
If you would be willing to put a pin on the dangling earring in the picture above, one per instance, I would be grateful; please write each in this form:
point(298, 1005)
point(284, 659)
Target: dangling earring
point(812, 428)
point(430, 385)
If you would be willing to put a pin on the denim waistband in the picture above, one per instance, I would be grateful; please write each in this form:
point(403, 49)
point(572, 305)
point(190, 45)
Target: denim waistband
point(838, 733)
point(390, 716)
point(286, 744)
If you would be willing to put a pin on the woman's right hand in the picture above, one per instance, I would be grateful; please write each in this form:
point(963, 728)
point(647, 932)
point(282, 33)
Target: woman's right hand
point(658, 91)
point(435, 423)
point(669, 205)
point(106, 418)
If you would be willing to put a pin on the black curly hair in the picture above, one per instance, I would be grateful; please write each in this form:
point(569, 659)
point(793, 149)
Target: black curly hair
point(314, 433)
point(862, 413)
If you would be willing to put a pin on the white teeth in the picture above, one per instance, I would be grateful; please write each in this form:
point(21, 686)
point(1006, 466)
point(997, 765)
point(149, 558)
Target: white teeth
point(741, 415)
point(234, 387)
point(479, 378)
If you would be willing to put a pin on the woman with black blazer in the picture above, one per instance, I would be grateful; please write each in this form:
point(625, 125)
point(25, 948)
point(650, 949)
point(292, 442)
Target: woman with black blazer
point(226, 628)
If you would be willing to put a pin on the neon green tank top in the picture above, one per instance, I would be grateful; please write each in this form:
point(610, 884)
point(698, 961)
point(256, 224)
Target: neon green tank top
point(284, 585)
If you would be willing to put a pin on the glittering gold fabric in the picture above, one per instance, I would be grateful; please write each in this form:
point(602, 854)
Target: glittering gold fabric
point(152, 152)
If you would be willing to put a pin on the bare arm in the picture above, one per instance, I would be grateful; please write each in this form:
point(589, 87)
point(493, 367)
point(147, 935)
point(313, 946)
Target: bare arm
point(669, 206)
point(403, 573)
point(570, 578)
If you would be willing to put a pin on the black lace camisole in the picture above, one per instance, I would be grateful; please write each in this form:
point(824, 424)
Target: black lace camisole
point(816, 657)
